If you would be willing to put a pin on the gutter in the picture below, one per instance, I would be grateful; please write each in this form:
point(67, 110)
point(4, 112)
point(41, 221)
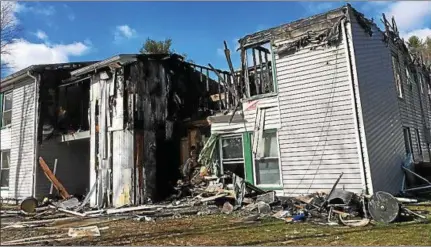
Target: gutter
point(35, 148)
point(9, 82)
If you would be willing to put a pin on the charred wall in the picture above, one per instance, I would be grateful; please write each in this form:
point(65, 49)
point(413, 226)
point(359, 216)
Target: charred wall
point(166, 92)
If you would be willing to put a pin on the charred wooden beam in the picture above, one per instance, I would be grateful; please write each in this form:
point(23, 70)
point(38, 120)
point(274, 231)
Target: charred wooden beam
point(262, 49)
point(255, 71)
point(262, 82)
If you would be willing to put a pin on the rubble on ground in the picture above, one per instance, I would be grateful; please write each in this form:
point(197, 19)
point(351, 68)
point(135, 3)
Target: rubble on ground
point(230, 194)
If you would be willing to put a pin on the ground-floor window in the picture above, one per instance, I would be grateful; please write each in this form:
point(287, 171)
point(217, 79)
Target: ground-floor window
point(4, 168)
point(232, 154)
point(236, 156)
point(267, 167)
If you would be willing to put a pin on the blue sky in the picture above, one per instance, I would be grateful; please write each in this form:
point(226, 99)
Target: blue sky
point(76, 31)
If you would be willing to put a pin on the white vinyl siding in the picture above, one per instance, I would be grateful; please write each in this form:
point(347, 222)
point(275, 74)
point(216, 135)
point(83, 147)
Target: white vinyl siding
point(317, 138)
point(22, 140)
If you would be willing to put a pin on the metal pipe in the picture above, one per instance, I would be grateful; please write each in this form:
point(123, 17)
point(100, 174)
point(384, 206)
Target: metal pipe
point(418, 188)
point(417, 175)
point(35, 132)
point(357, 114)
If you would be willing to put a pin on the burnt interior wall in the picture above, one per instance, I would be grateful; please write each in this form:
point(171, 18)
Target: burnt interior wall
point(74, 98)
point(73, 166)
point(165, 92)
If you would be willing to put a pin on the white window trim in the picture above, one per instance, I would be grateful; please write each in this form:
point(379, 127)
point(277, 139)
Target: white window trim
point(231, 161)
point(3, 109)
point(279, 165)
point(397, 75)
point(1, 166)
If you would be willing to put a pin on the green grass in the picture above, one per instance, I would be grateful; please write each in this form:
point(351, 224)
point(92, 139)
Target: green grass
point(226, 230)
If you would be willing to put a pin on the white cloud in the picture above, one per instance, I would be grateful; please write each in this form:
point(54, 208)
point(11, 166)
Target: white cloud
point(123, 32)
point(39, 10)
point(409, 15)
point(15, 6)
point(421, 33)
point(23, 53)
point(41, 35)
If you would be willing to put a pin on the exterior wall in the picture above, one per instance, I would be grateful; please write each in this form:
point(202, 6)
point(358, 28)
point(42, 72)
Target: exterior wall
point(318, 137)
point(72, 166)
point(19, 137)
point(272, 117)
point(111, 148)
point(122, 167)
point(380, 108)
point(5, 144)
point(384, 113)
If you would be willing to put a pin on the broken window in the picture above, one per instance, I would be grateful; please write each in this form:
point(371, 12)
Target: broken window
point(4, 168)
point(397, 77)
point(421, 82)
point(418, 139)
point(259, 73)
point(408, 76)
point(267, 167)
point(6, 113)
point(232, 157)
point(74, 100)
point(407, 140)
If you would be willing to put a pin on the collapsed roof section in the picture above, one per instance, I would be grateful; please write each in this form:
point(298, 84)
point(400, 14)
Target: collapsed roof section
point(8, 81)
point(316, 28)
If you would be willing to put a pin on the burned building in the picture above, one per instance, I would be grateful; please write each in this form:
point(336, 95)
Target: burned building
point(139, 110)
point(29, 112)
point(322, 96)
point(118, 129)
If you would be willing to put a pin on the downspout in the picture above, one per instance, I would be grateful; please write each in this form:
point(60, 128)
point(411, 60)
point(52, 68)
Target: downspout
point(35, 149)
point(356, 108)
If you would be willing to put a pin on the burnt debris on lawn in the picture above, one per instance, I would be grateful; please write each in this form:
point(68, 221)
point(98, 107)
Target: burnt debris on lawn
point(205, 195)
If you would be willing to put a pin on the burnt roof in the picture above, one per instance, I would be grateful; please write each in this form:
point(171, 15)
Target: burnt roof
point(323, 20)
point(41, 67)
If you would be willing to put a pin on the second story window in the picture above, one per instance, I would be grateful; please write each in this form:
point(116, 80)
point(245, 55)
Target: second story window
point(421, 82)
point(397, 75)
point(6, 113)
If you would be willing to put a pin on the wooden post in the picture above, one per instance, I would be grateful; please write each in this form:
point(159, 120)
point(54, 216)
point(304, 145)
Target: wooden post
point(51, 177)
point(253, 51)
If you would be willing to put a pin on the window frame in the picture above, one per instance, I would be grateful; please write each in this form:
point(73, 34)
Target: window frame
point(231, 161)
point(255, 161)
point(396, 66)
point(418, 139)
point(409, 136)
point(2, 169)
point(421, 82)
point(3, 110)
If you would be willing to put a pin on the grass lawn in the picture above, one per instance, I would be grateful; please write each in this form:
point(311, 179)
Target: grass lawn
point(226, 230)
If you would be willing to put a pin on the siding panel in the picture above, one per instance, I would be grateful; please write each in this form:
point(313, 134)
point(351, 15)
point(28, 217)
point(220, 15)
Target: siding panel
point(380, 109)
point(22, 140)
point(317, 136)
point(272, 117)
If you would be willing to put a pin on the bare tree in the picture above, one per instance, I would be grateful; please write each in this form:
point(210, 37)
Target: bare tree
point(9, 29)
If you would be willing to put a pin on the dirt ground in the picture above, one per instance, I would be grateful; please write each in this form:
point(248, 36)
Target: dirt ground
point(228, 230)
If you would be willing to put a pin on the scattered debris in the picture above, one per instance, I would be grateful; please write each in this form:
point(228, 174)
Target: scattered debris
point(267, 197)
point(29, 205)
point(88, 231)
